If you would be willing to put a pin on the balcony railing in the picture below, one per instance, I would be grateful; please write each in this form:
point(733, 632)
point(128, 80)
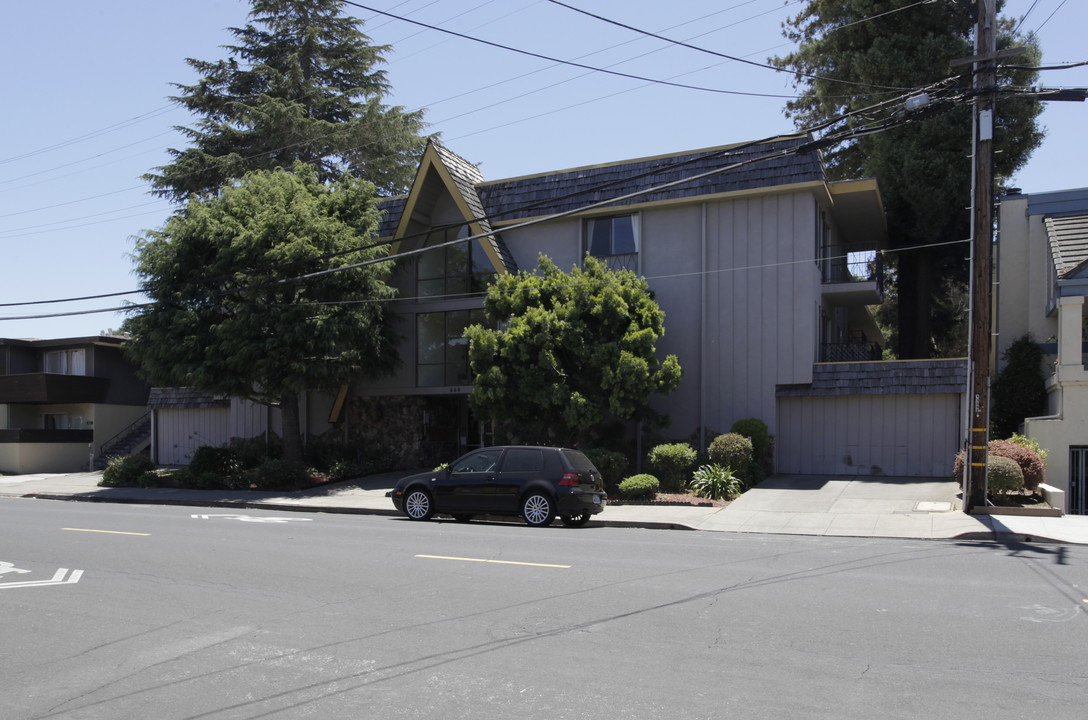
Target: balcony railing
point(850, 352)
point(846, 264)
point(32, 435)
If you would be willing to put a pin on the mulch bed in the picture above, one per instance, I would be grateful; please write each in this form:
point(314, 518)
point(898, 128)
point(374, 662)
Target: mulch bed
point(669, 499)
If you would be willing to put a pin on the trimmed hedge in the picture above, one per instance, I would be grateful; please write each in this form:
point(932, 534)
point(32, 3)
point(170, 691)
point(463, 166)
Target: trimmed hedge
point(755, 429)
point(638, 486)
point(673, 463)
point(1003, 475)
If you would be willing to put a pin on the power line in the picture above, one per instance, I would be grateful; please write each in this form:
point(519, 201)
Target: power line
point(850, 133)
point(539, 56)
point(722, 55)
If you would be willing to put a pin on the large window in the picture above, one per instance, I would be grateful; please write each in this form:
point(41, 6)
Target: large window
point(453, 270)
point(66, 362)
point(442, 349)
point(610, 236)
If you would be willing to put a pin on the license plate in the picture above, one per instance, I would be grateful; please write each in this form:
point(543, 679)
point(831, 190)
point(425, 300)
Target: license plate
point(596, 499)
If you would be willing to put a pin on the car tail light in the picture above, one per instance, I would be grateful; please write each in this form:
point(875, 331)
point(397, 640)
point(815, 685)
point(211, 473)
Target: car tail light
point(569, 480)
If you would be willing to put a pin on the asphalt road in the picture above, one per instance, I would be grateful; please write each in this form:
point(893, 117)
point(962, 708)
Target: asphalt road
point(168, 612)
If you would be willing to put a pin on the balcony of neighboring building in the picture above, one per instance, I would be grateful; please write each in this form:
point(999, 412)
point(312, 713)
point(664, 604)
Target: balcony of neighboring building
point(52, 388)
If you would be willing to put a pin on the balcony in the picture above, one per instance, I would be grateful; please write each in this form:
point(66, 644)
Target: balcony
point(852, 275)
point(31, 435)
point(52, 388)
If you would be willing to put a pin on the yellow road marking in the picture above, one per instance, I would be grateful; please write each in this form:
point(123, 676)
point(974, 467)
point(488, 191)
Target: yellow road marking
point(111, 532)
point(483, 560)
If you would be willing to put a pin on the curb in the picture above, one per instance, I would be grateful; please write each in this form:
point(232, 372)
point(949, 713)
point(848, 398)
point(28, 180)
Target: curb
point(239, 504)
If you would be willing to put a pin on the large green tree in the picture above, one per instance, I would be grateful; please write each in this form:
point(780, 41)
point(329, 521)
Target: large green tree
point(236, 306)
point(852, 54)
point(569, 348)
point(302, 84)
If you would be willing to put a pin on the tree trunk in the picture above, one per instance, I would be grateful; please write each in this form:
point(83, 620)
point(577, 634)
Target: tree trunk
point(915, 279)
point(292, 430)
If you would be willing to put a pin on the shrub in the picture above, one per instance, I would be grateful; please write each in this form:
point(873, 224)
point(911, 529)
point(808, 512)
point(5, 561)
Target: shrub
point(673, 463)
point(638, 486)
point(347, 470)
point(1031, 444)
point(1019, 390)
point(278, 474)
point(1031, 465)
point(716, 482)
point(253, 451)
point(214, 460)
point(612, 464)
point(756, 430)
point(129, 471)
point(1003, 475)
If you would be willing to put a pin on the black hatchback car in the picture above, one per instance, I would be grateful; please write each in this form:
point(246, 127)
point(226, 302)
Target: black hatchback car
point(536, 483)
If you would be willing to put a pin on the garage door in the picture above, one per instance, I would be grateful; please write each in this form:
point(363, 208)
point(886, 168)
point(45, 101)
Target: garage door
point(915, 435)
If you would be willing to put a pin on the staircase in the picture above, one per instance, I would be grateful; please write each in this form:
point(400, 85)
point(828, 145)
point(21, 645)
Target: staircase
point(135, 437)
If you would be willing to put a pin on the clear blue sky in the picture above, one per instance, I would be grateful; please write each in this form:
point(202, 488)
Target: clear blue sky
point(85, 110)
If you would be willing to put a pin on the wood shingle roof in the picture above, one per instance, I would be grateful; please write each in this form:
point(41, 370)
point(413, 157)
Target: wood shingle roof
point(567, 190)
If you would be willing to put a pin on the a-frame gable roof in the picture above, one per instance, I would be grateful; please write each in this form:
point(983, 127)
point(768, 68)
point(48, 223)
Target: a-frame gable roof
point(459, 178)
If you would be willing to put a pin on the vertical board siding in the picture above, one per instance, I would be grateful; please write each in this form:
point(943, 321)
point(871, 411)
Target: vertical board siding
point(181, 432)
point(886, 435)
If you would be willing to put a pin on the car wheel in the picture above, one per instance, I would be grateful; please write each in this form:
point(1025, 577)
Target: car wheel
point(462, 517)
point(575, 520)
point(418, 504)
point(538, 510)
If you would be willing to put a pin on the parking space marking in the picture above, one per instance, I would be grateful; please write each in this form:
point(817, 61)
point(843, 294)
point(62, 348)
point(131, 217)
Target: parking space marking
point(109, 532)
point(497, 562)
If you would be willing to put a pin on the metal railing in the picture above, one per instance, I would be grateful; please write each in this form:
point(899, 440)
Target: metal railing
point(145, 418)
point(850, 352)
point(845, 264)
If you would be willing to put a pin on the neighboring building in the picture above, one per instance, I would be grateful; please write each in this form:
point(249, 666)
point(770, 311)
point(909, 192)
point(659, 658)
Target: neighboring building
point(1042, 280)
point(765, 270)
point(65, 403)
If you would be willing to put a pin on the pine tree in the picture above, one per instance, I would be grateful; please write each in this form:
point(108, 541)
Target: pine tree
point(854, 53)
point(302, 84)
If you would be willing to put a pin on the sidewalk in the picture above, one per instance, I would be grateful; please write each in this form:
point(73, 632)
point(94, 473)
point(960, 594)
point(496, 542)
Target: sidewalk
point(795, 505)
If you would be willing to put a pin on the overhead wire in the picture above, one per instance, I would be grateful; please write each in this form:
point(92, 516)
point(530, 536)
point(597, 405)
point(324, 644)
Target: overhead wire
point(808, 146)
point(715, 53)
point(525, 119)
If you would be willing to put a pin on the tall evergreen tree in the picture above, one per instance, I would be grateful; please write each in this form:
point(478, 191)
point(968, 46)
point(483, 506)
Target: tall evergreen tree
point(300, 85)
point(854, 53)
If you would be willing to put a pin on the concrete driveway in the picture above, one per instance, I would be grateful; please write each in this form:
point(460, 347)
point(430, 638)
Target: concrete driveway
point(837, 505)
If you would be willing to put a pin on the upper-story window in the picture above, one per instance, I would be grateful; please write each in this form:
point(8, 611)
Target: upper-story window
point(455, 269)
point(66, 362)
point(610, 236)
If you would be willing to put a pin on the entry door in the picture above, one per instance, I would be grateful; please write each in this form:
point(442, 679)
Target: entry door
point(1078, 481)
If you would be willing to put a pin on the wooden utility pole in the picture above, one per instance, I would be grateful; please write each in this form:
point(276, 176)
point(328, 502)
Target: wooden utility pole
point(982, 253)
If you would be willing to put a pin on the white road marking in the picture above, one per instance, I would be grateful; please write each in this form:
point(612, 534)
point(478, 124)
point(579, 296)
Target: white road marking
point(251, 518)
point(58, 579)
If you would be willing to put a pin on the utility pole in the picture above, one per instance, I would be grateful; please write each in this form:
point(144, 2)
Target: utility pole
point(985, 80)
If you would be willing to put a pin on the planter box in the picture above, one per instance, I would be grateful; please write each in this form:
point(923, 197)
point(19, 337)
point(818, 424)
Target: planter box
point(1036, 511)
